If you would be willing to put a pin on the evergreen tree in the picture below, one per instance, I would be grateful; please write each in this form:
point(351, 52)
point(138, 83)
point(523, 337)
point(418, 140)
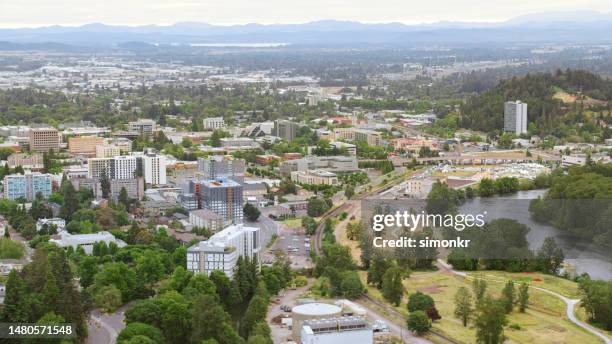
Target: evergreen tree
point(392, 287)
point(523, 297)
point(463, 305)
point(105, 184)
point(16, 302)
point(490, 321)
point(508, 297)
point(71, 203)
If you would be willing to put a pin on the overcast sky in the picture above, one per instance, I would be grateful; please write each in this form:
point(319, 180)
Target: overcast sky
point(32, 13)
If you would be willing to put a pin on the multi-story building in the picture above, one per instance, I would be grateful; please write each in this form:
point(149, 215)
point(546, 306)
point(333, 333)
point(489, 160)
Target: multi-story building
point(213, 123)
point(515, 117)
point(143, 126)
point(221, 251)
point(222, 166)
point(44, 139)
point(27, 185)
point(371, 137)
point(119, 167)
point(153, 168)
point(224, 197)
point(314, 177)
point(134, 187)
point(328, 163)
point(286, 130)
point(84, 145)
point(29, 161)
point(351, 149)
point(107, 151)
point(206, 219)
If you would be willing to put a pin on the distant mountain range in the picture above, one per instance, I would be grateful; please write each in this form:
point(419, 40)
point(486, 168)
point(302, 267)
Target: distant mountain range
point(552, 27)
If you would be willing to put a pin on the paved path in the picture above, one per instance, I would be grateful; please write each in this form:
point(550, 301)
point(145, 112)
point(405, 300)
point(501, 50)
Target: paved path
point(570, 303)
point(103, 327)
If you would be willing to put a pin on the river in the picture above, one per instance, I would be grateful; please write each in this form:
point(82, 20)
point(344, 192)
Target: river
point(585, 256)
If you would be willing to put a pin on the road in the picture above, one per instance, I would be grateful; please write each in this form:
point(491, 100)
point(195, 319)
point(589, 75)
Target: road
point(279, 333)
point(570, 303)
point(103, 327)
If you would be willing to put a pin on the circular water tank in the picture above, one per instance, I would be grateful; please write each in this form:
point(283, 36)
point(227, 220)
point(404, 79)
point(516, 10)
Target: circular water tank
point(315, 310)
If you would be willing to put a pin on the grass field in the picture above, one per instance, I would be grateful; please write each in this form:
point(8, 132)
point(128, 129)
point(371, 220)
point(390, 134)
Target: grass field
point(293, 223)
point(544, 321)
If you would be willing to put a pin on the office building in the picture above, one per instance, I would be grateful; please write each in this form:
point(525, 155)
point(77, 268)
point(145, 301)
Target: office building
point(27, 185)
point(86, 241)
point(135, 187)
point(515, 117)
point(44, 139)
point(222, 166)
point(224, 197)
point(29, 161)
point(84, 145)
point(213, 123)
point(371, 137)
point(143, 126)
point(328, 163)
point(286, 130)
point(107, 151)
point(206, 219)
point(352, 329)
point(221, 250)
point(314, 177)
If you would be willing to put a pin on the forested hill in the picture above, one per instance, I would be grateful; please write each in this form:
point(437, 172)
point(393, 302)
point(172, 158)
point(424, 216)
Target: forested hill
point(554, 101)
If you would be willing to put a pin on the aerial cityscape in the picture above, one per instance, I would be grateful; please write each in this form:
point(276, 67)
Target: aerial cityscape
point(229, 175)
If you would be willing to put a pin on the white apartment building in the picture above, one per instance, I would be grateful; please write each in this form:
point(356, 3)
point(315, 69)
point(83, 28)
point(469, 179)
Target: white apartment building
point(154, 169)
point(212, 123)
point(124, 167)
point(221, 251)
point(515, 117)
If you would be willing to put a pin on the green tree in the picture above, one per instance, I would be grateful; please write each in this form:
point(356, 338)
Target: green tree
point(490, 321)
point(251, 212)
point(255, 312)
point(349, 191)
point(479, 287)
point(108, 298)
point(486, 188)
point(137, 329)
point(351, 285)
point(523, 297)
point(105, 184)
point(210, 321)
point(71, 203)
point(123, 198)
point(392, 287)
point(418, 322)
point(463, 305)
point(420, 302)
point(17, 299)
point(508, 296)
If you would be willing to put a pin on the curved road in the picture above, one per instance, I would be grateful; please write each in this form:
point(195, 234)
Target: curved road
point(570, 303)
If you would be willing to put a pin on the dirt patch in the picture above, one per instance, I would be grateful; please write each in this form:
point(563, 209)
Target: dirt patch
point(432, 289)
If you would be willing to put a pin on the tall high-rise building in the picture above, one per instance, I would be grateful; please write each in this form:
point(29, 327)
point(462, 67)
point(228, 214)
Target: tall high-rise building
point(118, 167)
point(224, 197)
point(515, 117)
point(153, 168)
point(27, 185)
point(286, 130)
point(222, 166)
point(222, 250)
point(44, 139)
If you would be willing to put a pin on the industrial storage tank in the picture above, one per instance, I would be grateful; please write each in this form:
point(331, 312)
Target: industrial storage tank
point(315, 310)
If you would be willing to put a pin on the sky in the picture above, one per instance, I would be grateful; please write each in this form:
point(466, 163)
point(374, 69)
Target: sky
point(36, 13)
